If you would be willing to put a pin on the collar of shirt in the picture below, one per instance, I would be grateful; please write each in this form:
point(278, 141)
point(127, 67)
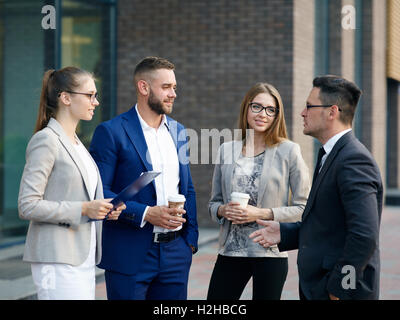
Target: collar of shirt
point(328, 146)
point(159, 147)
point(146, 127)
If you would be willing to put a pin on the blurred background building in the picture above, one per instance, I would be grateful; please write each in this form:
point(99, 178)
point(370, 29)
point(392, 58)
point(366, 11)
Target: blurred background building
point(220, 49)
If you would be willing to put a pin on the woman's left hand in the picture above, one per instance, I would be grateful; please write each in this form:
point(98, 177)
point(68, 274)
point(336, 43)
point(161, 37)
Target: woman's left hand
point(250, 214)
point(114, 215)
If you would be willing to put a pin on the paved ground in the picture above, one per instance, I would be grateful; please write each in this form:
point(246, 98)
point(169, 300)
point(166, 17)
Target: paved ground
point(203, 263)
point(16, 281)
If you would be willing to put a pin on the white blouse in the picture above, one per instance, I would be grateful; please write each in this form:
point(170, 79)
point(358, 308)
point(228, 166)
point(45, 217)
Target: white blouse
point(90, 167)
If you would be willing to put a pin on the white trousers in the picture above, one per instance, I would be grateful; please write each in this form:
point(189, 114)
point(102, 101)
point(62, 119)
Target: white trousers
point(57, 281)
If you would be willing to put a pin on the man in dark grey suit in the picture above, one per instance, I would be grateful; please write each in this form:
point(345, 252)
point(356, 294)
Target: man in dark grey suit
point(338, 236)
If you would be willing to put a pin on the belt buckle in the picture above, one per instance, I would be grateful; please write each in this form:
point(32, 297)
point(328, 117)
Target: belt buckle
point(157, 236)
point(166, 237)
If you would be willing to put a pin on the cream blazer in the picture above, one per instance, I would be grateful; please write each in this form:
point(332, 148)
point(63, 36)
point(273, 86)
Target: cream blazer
point(53, 187)
point(284, 170)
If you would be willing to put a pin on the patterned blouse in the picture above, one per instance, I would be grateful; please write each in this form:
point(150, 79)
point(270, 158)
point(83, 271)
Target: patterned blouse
point(245, 178)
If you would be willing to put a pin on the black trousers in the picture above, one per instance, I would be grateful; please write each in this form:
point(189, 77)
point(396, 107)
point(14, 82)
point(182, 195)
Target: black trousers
point(231, 274)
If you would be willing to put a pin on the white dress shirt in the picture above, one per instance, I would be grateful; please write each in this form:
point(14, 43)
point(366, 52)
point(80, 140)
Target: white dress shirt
point(164, 158)
point(328, 146)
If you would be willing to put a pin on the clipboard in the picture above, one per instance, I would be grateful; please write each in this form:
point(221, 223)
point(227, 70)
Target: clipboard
point(128, 192)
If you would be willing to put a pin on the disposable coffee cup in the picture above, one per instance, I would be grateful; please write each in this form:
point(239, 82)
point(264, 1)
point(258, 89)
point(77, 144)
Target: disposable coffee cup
point(176, 201)
point(242, 198)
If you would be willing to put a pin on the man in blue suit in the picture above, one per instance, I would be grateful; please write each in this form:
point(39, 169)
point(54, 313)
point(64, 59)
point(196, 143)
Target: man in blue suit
point(338, 236)
point(147, 252)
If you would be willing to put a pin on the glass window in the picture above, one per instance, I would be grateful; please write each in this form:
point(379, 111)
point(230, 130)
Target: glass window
point(84, 38)
point(321, 65)
point(21, 69)
point(84, 43)
point(321, 41)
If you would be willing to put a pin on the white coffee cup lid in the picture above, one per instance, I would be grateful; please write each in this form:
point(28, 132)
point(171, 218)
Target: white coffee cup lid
point(177, 198)
point(240, 195)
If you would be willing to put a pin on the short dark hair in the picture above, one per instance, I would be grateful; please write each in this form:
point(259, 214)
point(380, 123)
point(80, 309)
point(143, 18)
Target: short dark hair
point(338, 91)
point(150, 64)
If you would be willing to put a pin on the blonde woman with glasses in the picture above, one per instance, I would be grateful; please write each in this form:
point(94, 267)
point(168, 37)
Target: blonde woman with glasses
point(269, 168)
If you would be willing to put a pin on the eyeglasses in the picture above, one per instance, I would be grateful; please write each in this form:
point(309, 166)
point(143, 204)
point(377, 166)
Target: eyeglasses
point(269, 110)
point(92, 96)
point(308, 106)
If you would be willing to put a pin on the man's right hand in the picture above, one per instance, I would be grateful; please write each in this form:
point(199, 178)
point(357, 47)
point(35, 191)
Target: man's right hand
point(268, 236)
point(165, 217)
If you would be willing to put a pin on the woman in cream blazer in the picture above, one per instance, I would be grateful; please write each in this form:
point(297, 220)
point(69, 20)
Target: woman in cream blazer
point(61, 191)
point(270, 168)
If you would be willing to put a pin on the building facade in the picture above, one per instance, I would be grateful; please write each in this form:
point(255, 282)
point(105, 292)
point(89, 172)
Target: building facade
point(220, 49)
point(36, 36)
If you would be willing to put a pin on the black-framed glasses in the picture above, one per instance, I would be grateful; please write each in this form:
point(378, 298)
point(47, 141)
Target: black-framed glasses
point(92, 96)
point(309, 106)
point(269, 110)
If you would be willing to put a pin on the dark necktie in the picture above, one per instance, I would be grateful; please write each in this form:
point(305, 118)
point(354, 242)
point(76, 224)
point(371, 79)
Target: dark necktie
point(321, 153)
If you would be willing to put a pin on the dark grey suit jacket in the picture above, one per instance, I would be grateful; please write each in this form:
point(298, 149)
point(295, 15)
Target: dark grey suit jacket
point(338, 237)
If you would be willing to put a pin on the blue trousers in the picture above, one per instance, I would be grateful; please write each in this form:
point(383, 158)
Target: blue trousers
point(163, 276)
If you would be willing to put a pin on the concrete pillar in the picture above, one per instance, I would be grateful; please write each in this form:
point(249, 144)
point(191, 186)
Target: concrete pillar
point(348, 48)
point(303, 73)
point(373, 113)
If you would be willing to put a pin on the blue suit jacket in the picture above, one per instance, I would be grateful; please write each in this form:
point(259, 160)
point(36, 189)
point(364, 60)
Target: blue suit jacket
point(119, 149)
point(340, 226)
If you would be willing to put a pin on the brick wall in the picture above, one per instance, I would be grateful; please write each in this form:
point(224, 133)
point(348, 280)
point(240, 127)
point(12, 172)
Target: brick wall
point(220, 49)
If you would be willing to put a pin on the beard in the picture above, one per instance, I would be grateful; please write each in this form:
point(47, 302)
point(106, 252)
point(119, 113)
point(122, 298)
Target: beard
point(155, 104)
